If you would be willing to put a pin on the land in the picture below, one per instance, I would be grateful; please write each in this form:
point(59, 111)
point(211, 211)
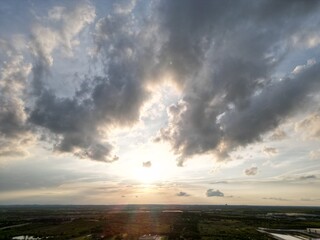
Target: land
point(166, 221)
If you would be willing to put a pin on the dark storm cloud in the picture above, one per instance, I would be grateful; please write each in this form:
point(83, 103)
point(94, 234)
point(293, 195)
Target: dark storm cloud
point(214, 193)
point(271, 107)
point(224, 55)
point(75, 122)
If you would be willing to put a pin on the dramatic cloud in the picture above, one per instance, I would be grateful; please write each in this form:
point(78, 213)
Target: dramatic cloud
point(224, 57)
point(230, 95)
point(211, 82)
point(147, 164)
point(251, 171)
point(74, 121)
point(182, 194)
point(214, 193)
point(112, 99)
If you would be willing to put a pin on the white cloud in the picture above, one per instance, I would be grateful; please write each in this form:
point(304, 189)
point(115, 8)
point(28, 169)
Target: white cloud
point(298, 69)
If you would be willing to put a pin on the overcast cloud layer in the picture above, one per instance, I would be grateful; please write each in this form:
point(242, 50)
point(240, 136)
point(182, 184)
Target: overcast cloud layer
point(226, 57)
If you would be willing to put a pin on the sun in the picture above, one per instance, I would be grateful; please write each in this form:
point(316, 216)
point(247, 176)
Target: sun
point(147, 175)
point(150, 164)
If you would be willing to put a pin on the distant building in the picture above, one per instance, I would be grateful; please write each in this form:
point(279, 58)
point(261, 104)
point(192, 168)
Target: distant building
point(313, 230)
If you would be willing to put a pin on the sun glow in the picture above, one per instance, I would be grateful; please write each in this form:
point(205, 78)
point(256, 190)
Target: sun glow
point(148, 175)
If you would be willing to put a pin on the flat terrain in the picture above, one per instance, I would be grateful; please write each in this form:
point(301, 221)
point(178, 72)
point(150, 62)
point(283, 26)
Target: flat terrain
point(168, 221)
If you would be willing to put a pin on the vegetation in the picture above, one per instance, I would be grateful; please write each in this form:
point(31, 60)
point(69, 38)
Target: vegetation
point(133, 221)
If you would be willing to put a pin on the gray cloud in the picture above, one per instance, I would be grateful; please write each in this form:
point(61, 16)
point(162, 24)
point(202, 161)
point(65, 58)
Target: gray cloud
point(223, 56)
point(251, 171)
point(214, 193)
point(273, 104)
point(75, 121)
point(226, 69)
point(182, 194)
point(102, 101)
point(147, 164)
point(15, 134)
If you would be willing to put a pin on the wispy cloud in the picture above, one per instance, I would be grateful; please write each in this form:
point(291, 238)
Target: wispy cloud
point(275, 199)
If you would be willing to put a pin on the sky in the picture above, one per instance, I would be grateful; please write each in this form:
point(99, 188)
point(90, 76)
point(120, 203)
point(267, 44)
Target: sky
point(160, 102)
